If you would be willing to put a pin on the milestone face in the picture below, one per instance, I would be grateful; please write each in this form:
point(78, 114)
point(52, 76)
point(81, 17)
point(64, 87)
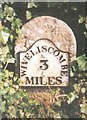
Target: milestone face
point(44, 64)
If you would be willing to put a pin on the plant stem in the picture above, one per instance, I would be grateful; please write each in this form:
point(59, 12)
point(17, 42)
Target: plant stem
point(6, 65)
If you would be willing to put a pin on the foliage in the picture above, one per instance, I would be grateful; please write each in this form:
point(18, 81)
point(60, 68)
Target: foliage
point(83, 20)
point(66, 102)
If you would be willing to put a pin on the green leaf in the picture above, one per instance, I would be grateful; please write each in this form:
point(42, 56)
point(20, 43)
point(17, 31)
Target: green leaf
point(83, 108)
point(15, 79)
point(81, 20)
point(6, 84)
point(9, 11)
point(85, 33)
point(17, 95)
point(82, 63)
point(28, 15)
point(3, 54)
point(12, 90)
point(18, 22)
point(83, 90)
point(2, 92)
point(75, 86)
point(5, 30)
point(31, 4)
point(58, 103)
point(12, 111)
point(11, 74)
point(71, 97)
point(3, 106)
point(11, 60)
point(4, 35)
point(11, 37)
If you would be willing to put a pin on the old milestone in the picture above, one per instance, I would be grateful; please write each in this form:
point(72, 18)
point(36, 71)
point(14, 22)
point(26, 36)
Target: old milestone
point(46, 46)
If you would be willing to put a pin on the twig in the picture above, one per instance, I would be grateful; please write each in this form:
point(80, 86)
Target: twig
point(64, 95)
point(6, 65)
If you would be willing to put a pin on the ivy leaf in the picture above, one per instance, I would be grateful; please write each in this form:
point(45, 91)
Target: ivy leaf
point(3, 53)
point(85, 33)
point(16, 24)
point(83, 108)
point(9, 11)
point(28, 15)
point(31, 4)
point(5, 35)
point(3, 92)
point(11, 37)
point(82, 63)
point(58, 103)
point(6, 84)
point(3, 106)
point(11, 60)
point(12, 111)
point(81, 19)
point(83, 90)
point(71, 97)
point(12, 90)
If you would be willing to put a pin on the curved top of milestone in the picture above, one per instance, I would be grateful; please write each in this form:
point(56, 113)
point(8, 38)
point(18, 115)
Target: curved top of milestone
point(50, 28)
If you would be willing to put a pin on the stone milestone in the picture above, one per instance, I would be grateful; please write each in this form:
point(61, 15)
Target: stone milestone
point(46, 46)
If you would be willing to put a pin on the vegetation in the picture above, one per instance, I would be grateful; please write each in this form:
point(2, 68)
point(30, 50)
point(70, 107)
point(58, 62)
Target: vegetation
point(69, 102)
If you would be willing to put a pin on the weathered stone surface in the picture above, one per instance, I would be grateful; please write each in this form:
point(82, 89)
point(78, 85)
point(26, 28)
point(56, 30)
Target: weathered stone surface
point(50, 28)
point(46, 47)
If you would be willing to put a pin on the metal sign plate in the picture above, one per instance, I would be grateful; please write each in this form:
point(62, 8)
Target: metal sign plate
point(43, 64)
